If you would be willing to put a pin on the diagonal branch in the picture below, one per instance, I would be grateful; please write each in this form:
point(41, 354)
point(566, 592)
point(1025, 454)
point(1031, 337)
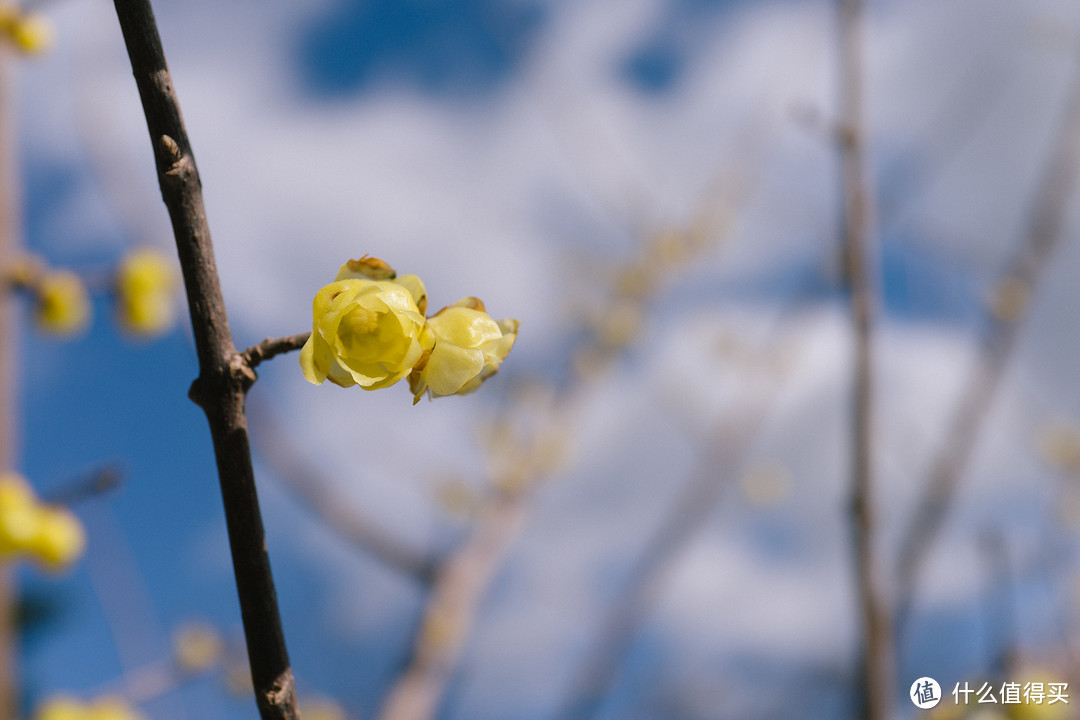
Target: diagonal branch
point(1019, 280)
point(224, 374)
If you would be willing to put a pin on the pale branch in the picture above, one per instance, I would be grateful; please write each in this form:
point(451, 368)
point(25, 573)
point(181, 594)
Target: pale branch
point(9, 349)
point(1042, 233)
point(695, 505)
point(224, 375)
point(272, 347)
point(460, 586)
point(877, 656)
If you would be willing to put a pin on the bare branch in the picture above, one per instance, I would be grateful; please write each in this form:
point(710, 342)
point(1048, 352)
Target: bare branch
point(9, 348)
point(224, 376)
point(877, 651)
point(272, 347)
point(1016, 288)
point(461, 584)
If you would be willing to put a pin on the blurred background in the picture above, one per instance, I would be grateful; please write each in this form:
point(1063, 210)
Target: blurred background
point(649, 505)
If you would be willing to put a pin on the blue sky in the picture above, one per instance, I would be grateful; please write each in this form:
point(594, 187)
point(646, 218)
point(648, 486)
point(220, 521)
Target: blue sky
point(512, 150)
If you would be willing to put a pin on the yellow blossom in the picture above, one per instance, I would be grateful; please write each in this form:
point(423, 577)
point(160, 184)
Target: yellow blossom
point(145, 283)
point(50, 535)
point(32, 33)
point(469, 347)
point(197, 647)
point(63, 306)
point(59, 540)
point(66, 708)
point(366, 332)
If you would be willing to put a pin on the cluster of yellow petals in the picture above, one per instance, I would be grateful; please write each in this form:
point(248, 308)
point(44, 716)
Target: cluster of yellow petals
point(145, 285)
point(369, 329)
point(62, 305)
point(50, 535)
point(30, 33)
point(107, 708)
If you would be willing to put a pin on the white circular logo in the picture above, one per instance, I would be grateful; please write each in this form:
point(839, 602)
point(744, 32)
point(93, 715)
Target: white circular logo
point(925, 693)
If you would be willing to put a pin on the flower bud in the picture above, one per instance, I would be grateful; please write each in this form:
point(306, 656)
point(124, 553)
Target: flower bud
point(469, 348)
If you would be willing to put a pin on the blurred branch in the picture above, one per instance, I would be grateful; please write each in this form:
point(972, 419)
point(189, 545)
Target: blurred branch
point(91, 485)
point(460, 585)
point(651, 571)
point(9, 348)
point(1000, 610)
point(272, 347)
point(857, 219)
point(224, 375)
point(1009, 307)
point(316, 492)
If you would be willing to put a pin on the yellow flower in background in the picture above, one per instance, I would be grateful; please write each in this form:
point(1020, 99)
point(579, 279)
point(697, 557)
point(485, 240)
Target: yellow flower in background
point(366, 332)
point(63, 306)
point(32, 34)
point(107, 708)
point(145, 283)
point(469, 348)
point(59, 540)
point(18, 514)
point(28, 528)
point(197, 647)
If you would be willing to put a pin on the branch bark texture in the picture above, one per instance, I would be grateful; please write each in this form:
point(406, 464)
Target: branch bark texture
point(224, 374)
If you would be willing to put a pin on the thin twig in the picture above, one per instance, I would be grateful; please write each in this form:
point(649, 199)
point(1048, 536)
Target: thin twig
point(224, 375)
point(1020, 279)
point(272, 347)
point(857, 219)
point(93, 484)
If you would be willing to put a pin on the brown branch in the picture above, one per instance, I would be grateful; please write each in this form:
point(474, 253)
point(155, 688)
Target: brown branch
point(1002, 331)
point(272, 347)
point(224, 375)
point(877, 653)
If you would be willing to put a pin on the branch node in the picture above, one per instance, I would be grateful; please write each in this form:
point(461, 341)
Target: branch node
point(241, 371)
point(282, 693)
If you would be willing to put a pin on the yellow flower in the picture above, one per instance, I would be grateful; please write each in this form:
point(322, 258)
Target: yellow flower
point(197, 647)
point(32, 34)
point(469, 347)
point(107, 708)
point(63, 306)
point(367, 332)
point(50, 535)
point(144, 292)
point(18, 514)
point(59, 540)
